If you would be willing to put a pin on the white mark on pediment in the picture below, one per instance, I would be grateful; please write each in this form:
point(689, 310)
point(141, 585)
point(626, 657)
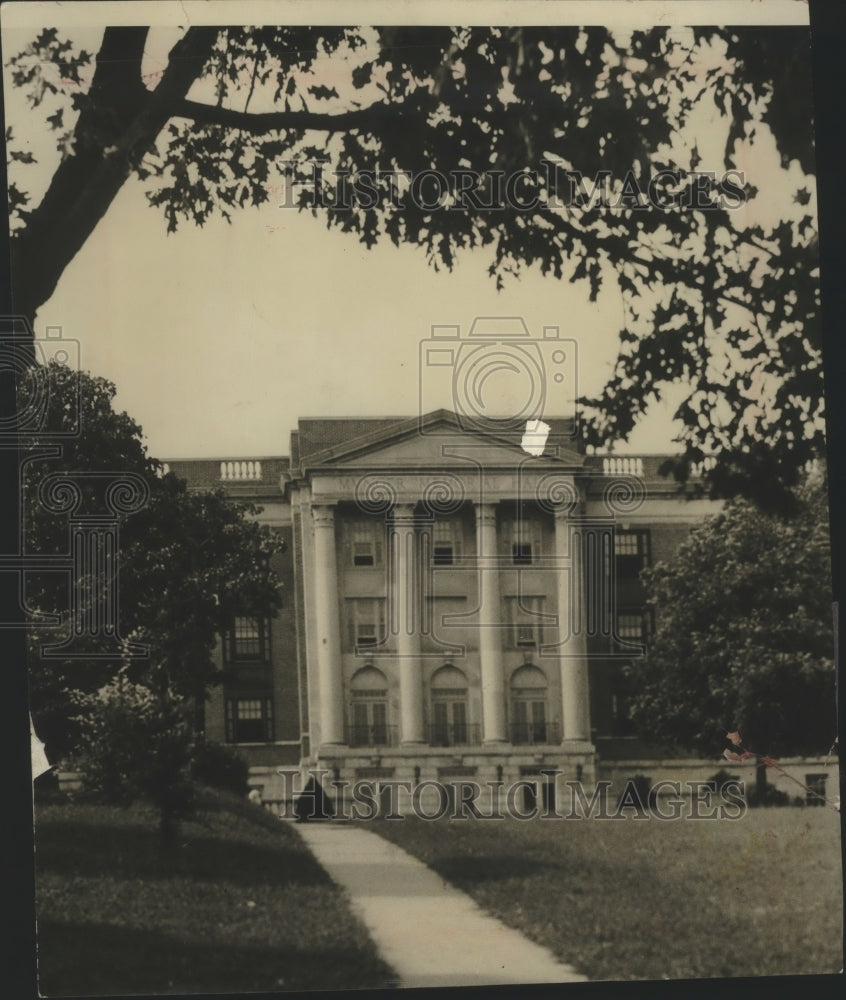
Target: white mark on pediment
point(534, 438)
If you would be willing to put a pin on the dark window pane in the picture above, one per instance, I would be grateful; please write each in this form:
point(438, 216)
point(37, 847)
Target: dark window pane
point(539, 721)
point(441, 734)
point(250, 731)
point(249, 720)
point(380, 723)
point(521, 554)
point(360, 715)
point(363, 554)
point(459, 721)
point(631, 551)
point(247, 639)
point(443, 555)
point(525, 635)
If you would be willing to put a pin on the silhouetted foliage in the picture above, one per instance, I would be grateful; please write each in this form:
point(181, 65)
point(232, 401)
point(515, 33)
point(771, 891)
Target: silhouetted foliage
point(712, 301)
point(189, 562)
point(744, 635)
point(220, 767)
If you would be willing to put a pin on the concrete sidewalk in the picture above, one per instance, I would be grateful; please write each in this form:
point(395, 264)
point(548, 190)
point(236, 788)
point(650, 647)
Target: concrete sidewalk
point(429, 932)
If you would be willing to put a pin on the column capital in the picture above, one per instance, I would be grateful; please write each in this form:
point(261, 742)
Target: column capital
point(562, 513)
point(486, 511)
point(323, 514)
point(403, 512)
point(569, 511)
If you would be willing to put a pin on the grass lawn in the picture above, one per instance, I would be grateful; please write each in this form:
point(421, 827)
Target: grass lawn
point(239, 904)
point(646, 899)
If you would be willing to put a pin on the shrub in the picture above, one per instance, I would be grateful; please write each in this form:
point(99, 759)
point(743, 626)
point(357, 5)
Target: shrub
point(722, 777)
point(770, 796)
point(220, 767)
point(638, 793)
point(137, 744)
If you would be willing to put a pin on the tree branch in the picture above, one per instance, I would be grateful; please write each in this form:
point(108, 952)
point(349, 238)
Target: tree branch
point(252, 85)
point(371, 118)
point(111, 136)
point(118, 63)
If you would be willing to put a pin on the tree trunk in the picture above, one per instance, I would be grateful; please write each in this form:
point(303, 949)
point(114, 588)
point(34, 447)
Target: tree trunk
point(761, 786)
point(168, 827)
point(118, 124)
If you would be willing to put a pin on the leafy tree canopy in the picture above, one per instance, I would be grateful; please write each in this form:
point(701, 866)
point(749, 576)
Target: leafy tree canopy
point(189, 561)
point(744, 637)
point(713, 302)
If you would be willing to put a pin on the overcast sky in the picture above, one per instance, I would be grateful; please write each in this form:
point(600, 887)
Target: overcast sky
point(219, 339)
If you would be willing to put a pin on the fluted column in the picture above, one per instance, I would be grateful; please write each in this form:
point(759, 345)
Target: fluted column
point(406, 620)
point(572, 623)
point(330, 676)
point(490, 637)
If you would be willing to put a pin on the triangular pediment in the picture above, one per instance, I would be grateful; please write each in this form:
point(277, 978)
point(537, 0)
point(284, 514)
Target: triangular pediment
point(440, 440)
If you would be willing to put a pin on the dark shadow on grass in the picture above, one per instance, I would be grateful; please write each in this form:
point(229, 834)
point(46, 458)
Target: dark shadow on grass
point(71, 847)
point(95, 959)
point(214, 801)
point(463, 869)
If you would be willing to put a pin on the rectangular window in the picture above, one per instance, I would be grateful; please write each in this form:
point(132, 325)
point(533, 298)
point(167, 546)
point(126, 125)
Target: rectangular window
point(528, 719)
point(366, 543)
point(449, 719)
point(363, 554)
point(525, 616)
point(631, 552)
point(366, 634)
point(249, 720)
point(443, 555)
point(621, 721)
point(446, 543)
point(525, 543)
point(632, 625)
point(521, 553)
point(249, 640)
point(366, 621)
point(369, 720)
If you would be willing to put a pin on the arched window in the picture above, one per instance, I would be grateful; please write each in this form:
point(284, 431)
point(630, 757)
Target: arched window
point(369, 709)
point(528, 705)
point(449, 708)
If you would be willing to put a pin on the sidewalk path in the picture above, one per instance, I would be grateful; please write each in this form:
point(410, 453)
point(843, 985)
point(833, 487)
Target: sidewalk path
point(429, 932)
